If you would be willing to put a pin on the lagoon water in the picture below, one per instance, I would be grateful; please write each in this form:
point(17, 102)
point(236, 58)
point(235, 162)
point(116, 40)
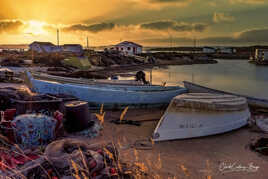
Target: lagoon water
point(236, 76)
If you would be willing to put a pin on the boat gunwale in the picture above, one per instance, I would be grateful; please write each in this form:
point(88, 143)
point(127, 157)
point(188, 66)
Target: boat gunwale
point(177, 88)
point(225, 92)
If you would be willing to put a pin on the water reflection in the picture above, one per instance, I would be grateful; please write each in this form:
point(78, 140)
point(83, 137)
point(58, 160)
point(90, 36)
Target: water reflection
point(235, 76)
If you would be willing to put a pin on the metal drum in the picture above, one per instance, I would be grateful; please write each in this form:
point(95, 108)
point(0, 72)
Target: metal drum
point(77, 116)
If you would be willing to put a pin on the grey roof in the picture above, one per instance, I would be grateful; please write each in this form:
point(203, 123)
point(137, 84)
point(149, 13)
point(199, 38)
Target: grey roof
point(72, 45)
point(128, 42)
point(43, 43)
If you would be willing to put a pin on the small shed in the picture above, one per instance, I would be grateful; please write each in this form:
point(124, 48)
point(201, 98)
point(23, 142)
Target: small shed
point(227, 50)
point(42, 47)
point(209, 50)
point(73, 48)
point(129, 48)
point(261, 54)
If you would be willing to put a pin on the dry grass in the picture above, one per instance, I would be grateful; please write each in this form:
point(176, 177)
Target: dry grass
point(139, 168)
point(101, 115)
point(123, 113)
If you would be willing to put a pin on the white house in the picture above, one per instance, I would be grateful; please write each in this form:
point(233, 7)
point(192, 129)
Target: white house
point(209, 50)
point(48, 47)
point(74, 48)
point(42, 47)
point(227, 50)
point(261, 54)
point(128, 48)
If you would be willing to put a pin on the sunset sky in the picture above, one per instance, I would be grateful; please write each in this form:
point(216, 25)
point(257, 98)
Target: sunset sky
point(148, 22)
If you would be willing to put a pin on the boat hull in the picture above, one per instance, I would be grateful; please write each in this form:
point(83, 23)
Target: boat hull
point(183, 125)
point(110, 96)
point(201, 114)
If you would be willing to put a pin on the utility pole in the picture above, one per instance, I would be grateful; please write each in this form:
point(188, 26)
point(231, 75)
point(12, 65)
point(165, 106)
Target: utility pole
point(58, 38)
point(87, 43)
point(32, 55)
point(170, 38)
point(194, 44)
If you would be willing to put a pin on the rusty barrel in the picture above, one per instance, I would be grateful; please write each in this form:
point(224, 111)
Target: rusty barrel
point(77, 116)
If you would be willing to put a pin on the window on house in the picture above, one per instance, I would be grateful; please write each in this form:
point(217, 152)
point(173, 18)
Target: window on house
point(122, 48)
point(128, 48)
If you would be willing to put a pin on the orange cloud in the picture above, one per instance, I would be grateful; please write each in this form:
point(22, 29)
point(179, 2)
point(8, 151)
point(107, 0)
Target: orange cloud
point(221, 17)
point(247, 1)
point(10, 26)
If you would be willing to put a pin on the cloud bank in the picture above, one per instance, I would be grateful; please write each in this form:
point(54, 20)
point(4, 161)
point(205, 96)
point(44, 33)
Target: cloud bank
point(252, 36)
point(221, 17)
point(94, 28)
point(176, 26)
point(10, 26)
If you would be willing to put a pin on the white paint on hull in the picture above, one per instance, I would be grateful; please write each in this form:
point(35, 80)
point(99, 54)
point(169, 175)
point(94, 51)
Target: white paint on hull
point(113, 97)
point(180, 122)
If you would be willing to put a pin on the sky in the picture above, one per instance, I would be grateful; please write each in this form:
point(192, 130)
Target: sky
point(148, 22)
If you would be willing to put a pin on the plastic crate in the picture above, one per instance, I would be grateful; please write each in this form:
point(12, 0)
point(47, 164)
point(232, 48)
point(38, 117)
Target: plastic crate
point(49, 104)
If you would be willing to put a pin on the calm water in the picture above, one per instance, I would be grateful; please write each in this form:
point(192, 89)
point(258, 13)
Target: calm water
point(230, 75)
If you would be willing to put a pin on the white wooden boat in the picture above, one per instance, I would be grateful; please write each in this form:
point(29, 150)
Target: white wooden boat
point(252, 101)
point(201, 114)
point(112, 96)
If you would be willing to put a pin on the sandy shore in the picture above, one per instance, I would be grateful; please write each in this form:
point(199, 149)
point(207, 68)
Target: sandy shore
point(191, 158)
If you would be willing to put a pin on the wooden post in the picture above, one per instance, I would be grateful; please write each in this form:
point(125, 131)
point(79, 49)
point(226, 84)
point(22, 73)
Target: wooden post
point(32, 56)
point(151, 76)
point(58, 40)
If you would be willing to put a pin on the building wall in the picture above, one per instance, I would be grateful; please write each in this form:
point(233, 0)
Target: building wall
point(209, 50)
point(41, 48)
point(35, 48)
point(74, 49)
point(139, 50)
point(226, 50)
point(128, 50)
point(265, 55)
point(50, 49)
point(261, 54)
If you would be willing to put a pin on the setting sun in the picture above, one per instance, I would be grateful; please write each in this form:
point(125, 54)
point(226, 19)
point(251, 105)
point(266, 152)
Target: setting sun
point(35, 28)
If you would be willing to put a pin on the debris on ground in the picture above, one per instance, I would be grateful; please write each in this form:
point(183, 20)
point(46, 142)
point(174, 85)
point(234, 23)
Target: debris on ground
point(143, 144)
point(260, 145)
point(262, 125)
point(91, 132)
point(27, 102)
point(33, 130)
point(75, 157)
point(8, 76)
point(129, 122)
point(259, 124)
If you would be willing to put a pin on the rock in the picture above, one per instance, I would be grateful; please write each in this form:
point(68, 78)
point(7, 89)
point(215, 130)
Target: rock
point(260, 145)
point(262, 124)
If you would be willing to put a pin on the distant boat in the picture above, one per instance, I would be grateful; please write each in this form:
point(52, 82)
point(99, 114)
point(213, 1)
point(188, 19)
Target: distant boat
point(201, 114)
point(252, 101)
point(112, 96)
